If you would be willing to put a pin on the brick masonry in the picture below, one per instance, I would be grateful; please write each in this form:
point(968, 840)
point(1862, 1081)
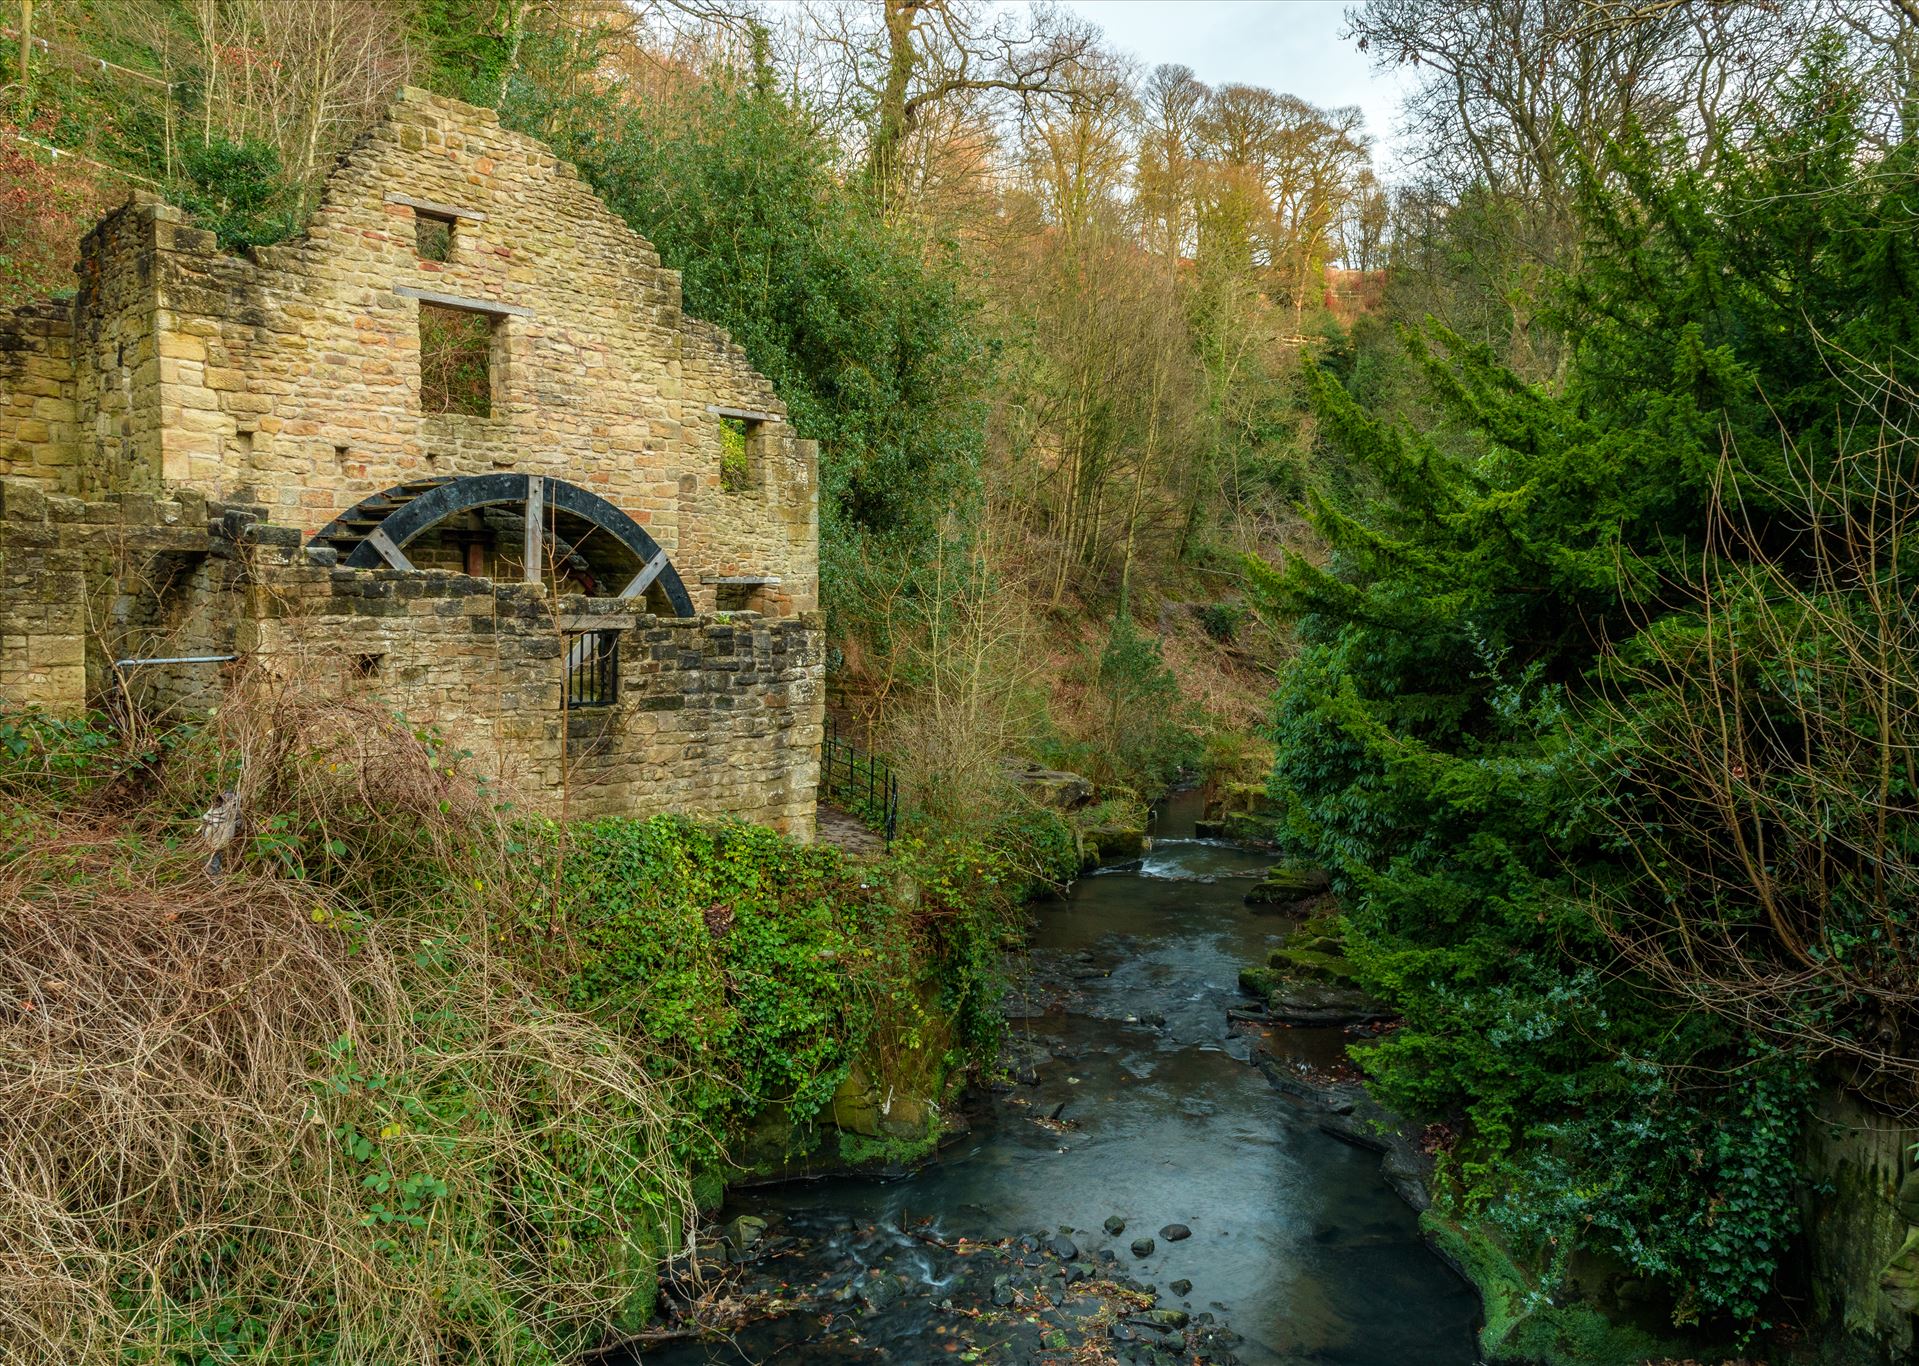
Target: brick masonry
point(173, 436)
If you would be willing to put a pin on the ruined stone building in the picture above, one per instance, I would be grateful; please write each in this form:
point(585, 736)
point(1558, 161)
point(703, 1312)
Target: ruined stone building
point(456, 447)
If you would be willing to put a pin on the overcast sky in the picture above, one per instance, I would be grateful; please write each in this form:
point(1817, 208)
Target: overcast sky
point(1292, 46)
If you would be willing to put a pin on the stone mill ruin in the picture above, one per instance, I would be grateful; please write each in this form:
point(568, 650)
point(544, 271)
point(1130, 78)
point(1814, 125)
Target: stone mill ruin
point(456, 447)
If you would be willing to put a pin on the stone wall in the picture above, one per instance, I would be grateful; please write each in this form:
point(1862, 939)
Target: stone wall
point(173, 436)
point(84, 583)
point(38, 440)
point(716, 715)
point(291, 378)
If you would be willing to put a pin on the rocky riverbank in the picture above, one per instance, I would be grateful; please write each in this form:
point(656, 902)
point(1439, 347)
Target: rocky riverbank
point(903, 1290)
point(1130, 1189)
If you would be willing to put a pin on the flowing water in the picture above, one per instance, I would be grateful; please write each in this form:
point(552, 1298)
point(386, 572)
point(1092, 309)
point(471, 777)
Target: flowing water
point(1148, 1109)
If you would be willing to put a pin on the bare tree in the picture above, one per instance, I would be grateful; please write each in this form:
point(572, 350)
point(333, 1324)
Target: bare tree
point(1763, 765)
point(898, 65)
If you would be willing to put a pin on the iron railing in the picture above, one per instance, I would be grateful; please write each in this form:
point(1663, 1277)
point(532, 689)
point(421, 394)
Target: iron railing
point(593, 669)
point(861, 783)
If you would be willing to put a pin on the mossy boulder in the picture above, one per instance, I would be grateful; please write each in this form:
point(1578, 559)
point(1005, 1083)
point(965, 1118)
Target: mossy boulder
point(1308, 1002)
point(1105, 843)
point(863, 1106)
point(1050, 787)
point(1115, 829)
point(1308, 981)
point(1289, 886)
point(1260, 982)
point(1525, 1324)
point(1316, 964)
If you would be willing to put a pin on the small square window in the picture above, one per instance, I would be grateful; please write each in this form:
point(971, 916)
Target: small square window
point(456, 361)
point(593, 669)
point(433, 236)
point(367, 666)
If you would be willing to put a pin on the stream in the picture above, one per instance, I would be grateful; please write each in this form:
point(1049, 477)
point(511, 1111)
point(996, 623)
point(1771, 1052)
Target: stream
point(1137, 1113)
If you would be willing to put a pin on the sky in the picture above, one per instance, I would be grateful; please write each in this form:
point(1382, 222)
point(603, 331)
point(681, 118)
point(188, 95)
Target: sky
point(1291, 46)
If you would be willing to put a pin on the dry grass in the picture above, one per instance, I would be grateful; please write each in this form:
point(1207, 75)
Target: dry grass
point(306, 1110)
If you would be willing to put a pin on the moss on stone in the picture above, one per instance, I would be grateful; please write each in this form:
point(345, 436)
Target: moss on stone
point(1260, 982)
point(1309, 963)
point(1523, 1325)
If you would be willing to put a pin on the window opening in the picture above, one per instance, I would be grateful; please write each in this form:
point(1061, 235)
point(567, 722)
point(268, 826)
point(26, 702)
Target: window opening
point(367, 666)
point(736, 469)
point(433, 236)
point(593, 669)
point(456, 360)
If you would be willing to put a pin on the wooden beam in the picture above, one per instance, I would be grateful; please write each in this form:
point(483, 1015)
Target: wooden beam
point(643, 580)
point(488, 306)
point(743, 414)
point(437, 210)
point(391, 553)
point(535, 527)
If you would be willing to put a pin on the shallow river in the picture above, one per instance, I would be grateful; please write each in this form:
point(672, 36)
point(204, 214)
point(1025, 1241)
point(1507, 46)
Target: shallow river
point(1296, 1242)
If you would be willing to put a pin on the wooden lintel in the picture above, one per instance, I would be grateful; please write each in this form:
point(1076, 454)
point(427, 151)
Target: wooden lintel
point(437, 210)
point(743, 414)
point(487, 306)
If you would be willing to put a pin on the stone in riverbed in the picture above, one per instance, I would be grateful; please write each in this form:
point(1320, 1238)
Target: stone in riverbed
point(1165, 1320)
point(1114, 1225)
point(1285, 886)
point(1050, 787)
point(1143, 1247)
point(1322, 1003)
point(1062, 1247)
point(1181, 1287)
point(1174, 1233)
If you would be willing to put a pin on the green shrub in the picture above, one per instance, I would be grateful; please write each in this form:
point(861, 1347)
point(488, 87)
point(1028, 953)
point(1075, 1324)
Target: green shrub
point(237, 190)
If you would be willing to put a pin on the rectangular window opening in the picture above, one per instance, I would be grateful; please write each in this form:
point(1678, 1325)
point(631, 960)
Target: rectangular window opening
point(433, 236)
point(593, 669)
point(367, 666)
point(456, 360)
point(736, 464)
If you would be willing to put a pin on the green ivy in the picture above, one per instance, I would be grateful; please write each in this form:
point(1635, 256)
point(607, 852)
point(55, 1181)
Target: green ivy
point(759, 969)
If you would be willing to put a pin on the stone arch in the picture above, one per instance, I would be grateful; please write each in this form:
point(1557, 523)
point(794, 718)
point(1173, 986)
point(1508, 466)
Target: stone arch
point(375, 531)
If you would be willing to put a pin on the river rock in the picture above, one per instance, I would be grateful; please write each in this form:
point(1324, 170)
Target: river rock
point(1181, 1287)
point(1164, 1319)
point(1143, 1247)
point(1176, 1233)
point(1114, 1225)
point(1289, 886)
point(1050, 787)
point(1062, 1247)
point(743, 1232)
point(1112, 841)
point(1322, 1003)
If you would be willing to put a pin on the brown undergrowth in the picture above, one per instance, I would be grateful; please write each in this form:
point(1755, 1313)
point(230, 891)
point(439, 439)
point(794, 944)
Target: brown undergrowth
point(314, 1107)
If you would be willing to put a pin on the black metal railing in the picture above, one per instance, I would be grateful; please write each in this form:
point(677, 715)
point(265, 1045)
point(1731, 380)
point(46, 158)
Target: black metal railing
point(861, 783)
point(593, 669)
